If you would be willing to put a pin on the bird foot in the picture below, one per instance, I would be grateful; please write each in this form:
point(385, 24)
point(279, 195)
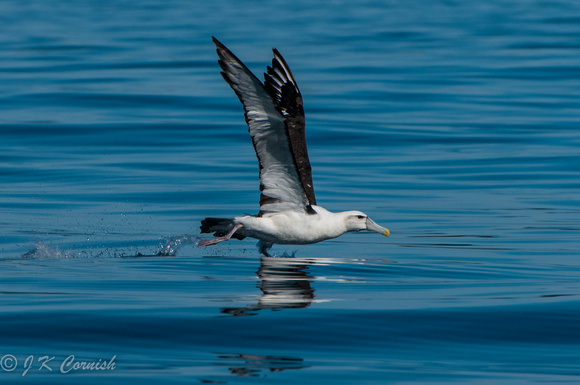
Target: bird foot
point(215, 241)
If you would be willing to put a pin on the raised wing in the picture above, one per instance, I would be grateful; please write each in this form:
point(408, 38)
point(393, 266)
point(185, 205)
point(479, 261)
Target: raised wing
point(282, 88)
point(275, 119)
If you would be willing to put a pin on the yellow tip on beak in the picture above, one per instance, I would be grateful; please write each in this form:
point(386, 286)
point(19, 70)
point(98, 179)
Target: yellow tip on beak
point(386, 233)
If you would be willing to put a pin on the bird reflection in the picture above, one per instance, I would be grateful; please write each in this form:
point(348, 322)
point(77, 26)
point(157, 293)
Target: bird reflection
point(285, 284)
point(252, 365)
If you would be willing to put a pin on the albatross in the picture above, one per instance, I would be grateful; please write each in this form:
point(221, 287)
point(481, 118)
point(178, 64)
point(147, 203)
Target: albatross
point(288, 212)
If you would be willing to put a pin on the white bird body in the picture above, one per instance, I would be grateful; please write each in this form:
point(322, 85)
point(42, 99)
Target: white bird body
point(297, 228)
point(288, 211)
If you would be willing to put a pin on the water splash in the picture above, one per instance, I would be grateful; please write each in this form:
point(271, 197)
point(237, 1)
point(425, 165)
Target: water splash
point(168, 248)
point(42, 250)
point(286, 254)
point(173, 244)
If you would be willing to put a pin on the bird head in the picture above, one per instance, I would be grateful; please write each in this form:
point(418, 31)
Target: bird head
point(358, 221)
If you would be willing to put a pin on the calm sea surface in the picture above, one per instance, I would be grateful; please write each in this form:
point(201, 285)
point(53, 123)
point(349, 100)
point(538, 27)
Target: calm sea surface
point(456, 124)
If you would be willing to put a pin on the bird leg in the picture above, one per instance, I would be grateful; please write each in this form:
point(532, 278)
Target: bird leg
point(264, 247)
point(217, 240)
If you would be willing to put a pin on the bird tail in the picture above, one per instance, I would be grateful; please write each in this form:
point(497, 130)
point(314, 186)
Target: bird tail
point(219, 227)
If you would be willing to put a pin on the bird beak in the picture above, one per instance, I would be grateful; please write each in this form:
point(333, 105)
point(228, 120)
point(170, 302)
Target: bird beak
point(372, 226)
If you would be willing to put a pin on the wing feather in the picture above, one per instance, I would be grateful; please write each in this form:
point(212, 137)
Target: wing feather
point(271, 119)
point(280, 84)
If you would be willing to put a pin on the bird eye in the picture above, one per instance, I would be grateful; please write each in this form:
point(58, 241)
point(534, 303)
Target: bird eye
point(360, 216)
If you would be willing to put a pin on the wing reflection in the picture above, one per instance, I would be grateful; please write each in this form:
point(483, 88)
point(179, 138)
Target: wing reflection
point(285, 284)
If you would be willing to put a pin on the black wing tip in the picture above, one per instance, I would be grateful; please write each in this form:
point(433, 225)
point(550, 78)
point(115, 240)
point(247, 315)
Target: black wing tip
point(220, 48)
point(222, 51)
point(224, 54)
point(278, 56)
point(217, 42)
point(227, 58)
point(281, 74)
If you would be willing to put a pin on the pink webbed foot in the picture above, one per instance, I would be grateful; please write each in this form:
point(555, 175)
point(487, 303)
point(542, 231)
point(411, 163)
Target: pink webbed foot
point(209, 242)
point(215, 241)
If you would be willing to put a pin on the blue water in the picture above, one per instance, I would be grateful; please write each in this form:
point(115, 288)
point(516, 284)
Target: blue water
point(454, 124)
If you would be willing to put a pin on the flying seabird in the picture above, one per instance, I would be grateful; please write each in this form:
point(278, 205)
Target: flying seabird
point(288, 211)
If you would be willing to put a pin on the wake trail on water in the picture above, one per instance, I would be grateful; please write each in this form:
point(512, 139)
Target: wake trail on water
point(168, 247)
